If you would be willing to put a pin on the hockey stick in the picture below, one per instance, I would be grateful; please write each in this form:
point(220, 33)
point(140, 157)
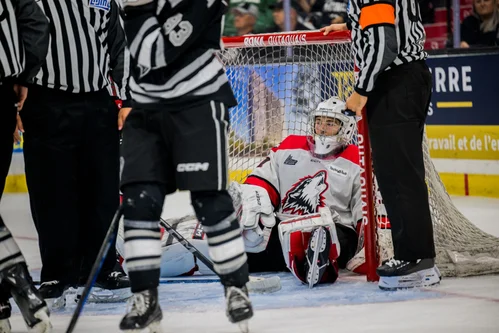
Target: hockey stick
point(259, 285)
point(99, 261)
point(255, 284)
point(189, 247)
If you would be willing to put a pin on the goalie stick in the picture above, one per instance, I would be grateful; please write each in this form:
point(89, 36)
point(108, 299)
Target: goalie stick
point(104, 249)
point(255, 284)
point(258, 285)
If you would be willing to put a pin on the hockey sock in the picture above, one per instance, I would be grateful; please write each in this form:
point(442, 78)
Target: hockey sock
point(142, 235)
point(226, 247)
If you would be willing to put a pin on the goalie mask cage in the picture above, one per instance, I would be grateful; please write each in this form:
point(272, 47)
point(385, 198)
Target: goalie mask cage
point(277, 80)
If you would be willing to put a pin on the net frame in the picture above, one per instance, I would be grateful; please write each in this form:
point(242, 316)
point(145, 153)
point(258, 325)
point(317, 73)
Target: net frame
point(451, 260)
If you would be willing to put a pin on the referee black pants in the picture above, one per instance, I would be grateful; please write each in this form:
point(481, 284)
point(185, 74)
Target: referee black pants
point(71, 153)
point(396, 114)
point(8, 114)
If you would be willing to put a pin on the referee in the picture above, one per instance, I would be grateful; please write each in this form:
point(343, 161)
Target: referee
point(71, 144)
point(394, 84)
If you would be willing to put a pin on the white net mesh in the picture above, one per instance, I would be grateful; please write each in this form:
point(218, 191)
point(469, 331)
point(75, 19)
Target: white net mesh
point(277, 86)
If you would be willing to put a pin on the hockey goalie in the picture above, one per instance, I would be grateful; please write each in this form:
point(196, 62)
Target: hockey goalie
point(300, 208)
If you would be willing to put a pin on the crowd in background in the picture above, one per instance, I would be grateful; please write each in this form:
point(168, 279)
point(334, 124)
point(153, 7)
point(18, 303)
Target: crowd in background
point(479, 28)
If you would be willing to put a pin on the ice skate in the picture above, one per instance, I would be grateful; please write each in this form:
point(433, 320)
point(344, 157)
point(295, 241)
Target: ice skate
point(54, 293)
point(33, 308)
point(317, 255)
point(145, 313)
point(401, 274)
point(114, 288)
point(239, 308)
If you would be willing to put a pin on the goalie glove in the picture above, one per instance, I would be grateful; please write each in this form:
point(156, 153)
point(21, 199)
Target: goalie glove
point(310, 247)
point(256, 215)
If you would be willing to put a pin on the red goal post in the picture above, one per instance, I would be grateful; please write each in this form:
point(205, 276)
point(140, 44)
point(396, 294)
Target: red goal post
point(316, 38)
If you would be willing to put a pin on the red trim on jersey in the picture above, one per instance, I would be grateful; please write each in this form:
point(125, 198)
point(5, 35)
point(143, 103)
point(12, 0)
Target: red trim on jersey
point(271, 190)
point(293, 142)
point(351, 153)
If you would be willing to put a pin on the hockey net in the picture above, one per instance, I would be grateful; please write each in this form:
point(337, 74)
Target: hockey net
point(277, 80)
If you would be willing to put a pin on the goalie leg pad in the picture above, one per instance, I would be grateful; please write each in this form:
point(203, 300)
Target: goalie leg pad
point(215, 211)
point(310, 247)
point(357, 264)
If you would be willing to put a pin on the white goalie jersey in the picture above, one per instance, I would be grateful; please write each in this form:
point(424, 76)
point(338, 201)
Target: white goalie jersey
point(298, 183)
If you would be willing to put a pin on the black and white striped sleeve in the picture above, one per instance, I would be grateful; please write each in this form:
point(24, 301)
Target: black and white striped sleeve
point(379, 49)
point(155, 40)
point(119, 55)
point(34, 32)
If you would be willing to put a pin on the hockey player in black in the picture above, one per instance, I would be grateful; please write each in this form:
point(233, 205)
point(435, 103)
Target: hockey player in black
point(176, 138)
point(24, 38)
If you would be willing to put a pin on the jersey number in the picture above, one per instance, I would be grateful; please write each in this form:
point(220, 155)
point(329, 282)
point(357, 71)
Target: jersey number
point(177, 37)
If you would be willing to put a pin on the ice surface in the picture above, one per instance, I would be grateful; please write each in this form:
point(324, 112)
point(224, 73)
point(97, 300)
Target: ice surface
point(350, 305)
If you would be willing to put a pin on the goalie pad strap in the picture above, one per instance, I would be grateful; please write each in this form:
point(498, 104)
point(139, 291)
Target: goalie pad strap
point(294, 235)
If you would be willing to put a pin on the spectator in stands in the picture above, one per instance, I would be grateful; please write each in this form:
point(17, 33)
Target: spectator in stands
point(322, 13)
point(263, 21)
point(481, 28)
point(297, 22)
point(427, 9)
point(245, 16)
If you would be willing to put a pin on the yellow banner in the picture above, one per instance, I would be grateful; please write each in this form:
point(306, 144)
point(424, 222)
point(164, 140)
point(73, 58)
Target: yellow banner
point(475, 142)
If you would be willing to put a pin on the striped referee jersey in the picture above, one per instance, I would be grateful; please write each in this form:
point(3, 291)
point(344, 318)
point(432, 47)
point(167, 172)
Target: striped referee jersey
point(385, 34)
point(24, 39)
point(88, 48)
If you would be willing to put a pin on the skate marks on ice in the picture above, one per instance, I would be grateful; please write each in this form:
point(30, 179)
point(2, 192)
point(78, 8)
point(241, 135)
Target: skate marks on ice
point(205, 297)
point(460, 305)
point(430, 315)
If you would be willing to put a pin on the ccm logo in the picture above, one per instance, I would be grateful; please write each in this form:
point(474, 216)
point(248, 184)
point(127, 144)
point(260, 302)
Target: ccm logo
point(190, 167)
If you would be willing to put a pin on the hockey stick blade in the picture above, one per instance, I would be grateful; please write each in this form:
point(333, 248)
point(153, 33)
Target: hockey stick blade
point(99, 261)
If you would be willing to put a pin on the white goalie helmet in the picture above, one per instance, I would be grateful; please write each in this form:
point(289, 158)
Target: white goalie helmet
point(331, 127)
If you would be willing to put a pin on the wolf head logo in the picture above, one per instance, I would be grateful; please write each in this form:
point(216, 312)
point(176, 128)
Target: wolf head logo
point(305, 197)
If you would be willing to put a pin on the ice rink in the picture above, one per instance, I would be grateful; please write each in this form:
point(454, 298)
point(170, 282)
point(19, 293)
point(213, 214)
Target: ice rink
point(351, 305)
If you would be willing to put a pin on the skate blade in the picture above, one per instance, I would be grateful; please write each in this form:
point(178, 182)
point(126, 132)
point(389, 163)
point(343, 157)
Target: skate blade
point(5, 326)
point(44, 325)
point(317, 244)
point(244, 326)
point(425, 278)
